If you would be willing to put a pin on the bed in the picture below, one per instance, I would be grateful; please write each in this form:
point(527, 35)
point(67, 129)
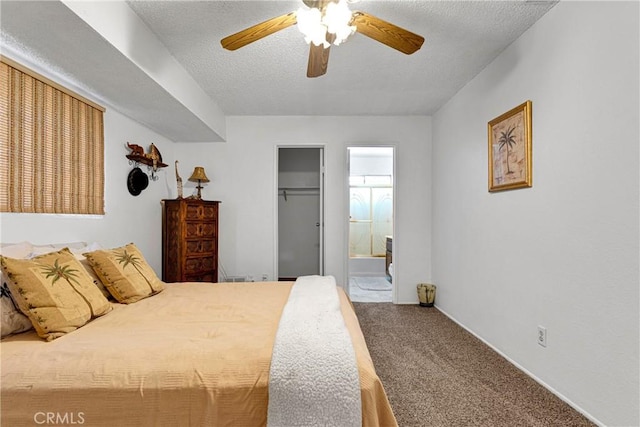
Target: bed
point(193, 354)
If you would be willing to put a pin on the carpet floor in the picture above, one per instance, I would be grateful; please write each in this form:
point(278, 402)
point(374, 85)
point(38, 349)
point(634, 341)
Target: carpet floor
point(436, 374)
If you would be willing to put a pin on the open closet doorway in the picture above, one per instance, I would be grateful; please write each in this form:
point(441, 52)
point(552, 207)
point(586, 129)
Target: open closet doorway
point(371, 219)
point(300, 219)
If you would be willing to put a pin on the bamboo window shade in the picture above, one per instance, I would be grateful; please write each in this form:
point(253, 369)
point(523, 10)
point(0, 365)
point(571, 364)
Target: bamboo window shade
point(51, 146)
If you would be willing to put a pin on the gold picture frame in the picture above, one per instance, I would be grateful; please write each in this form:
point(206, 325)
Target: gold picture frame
point(510, 163)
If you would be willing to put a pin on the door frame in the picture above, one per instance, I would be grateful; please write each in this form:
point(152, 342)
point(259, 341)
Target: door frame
point(347, 226)
point(323, 163)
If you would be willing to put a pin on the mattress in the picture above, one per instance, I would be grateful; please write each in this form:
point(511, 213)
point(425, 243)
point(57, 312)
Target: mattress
point(195, 354)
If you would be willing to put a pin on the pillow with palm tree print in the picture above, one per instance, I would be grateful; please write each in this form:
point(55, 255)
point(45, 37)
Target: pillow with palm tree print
point(54, 291)
point(125, 273)
point(77, 252)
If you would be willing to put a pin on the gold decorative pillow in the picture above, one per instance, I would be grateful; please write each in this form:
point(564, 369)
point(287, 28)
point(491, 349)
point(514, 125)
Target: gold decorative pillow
point(125, 273)
point(96, 280)
point(54, 291)
point(77, 252)
point(94, 277)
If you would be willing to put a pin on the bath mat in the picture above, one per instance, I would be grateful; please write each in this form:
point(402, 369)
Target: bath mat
point(371, 283)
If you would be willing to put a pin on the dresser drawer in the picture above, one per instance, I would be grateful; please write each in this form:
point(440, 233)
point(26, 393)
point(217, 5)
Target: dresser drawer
point(197, 247)
point(198, 265)
point(201, 229)
point(198, 212)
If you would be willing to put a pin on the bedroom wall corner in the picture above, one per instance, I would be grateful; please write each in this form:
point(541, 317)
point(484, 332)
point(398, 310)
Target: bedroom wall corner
point(565, 253)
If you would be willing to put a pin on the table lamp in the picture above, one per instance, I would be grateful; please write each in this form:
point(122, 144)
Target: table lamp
point(199, 176)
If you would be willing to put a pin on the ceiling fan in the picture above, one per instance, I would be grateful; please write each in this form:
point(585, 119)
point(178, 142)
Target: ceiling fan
point(326, 22)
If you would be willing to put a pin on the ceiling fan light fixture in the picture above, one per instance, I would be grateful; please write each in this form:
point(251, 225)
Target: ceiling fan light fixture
point(337, 18)
point(315, 25)
point(310, 25)
point(323, 22)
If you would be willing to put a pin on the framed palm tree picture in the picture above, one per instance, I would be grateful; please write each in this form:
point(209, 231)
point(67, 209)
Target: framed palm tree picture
point(510, 149)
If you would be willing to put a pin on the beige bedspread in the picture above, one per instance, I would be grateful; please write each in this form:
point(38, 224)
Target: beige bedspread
point(195, 354)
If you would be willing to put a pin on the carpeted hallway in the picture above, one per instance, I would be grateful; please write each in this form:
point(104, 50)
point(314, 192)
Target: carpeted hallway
point(437, 374)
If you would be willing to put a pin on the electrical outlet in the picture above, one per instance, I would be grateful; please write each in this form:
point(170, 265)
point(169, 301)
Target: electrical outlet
point(542, 336)
point(265, 277)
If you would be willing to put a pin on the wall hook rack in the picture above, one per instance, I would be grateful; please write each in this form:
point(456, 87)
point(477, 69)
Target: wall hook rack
point(153, 159)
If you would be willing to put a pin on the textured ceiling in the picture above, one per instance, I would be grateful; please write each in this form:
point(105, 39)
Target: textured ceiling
point(268, 77)
point(364, 76)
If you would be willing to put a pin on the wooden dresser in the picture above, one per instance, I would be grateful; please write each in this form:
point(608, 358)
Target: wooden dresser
point(189, 240)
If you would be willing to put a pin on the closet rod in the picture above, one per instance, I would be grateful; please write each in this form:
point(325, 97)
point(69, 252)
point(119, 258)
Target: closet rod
point(298, 192)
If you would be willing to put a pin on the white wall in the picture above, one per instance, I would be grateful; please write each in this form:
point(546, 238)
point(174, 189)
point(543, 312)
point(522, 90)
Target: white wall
point(244, 178)
point(127, 218)
point(563, 254)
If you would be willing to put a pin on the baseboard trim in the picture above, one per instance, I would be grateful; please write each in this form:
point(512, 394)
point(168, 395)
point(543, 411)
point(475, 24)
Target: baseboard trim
point(527, 372)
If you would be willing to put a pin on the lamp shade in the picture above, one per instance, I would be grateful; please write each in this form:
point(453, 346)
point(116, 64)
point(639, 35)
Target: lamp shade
point(198, 175)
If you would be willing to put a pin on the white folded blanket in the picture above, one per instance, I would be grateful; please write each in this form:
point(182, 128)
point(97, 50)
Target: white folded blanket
point(314, 377)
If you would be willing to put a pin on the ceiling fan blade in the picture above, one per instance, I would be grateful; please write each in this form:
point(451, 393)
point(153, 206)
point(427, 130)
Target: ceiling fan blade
point(258, 31)
point(387, 33)
point(318, 60)
point(319, 57)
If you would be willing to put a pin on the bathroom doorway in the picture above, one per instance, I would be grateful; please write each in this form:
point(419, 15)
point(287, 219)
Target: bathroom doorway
point(371, 219)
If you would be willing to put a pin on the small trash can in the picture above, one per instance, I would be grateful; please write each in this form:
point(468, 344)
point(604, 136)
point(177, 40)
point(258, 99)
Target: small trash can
point(426, 294)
